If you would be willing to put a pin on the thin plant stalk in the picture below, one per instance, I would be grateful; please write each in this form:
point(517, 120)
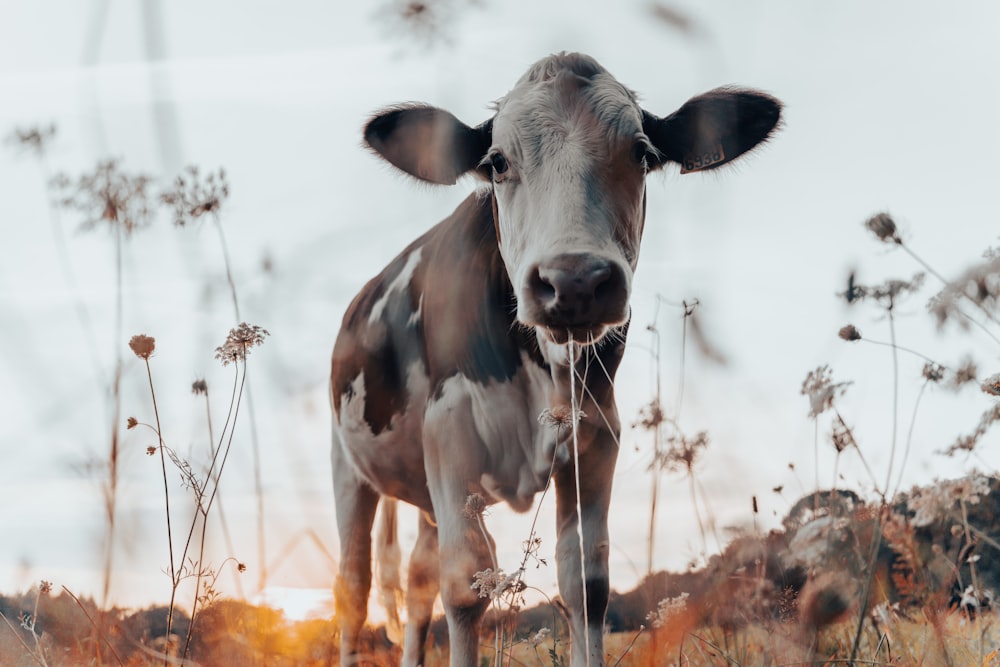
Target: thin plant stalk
point(203, 509)
point(575, 407)
point(254, 439)
point(101, 634)
point(895, 400)
point(909, 438)
point(166, 499)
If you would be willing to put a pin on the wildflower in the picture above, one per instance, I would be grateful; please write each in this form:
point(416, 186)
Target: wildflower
point(199, 387)
point(991, 385)
point(651, 416)
point(884, 228)
point(682, 451)
point(933, 372)
point(131, 423)
point(842, 437)
point(426, 22)
point(142, 346)
point(849, 333)
point(933, 502)
point(191, 198)
point(980, 284)
point(107, 195)
point(475, 506)
point(965, 374)
point(45, 587)
point(238, 343)
point(821, 390)
point(886, 293)
point(667, 609)
point(150, 451)
point(540, 636)
point(490, 584)
point(34, 138)
point(560, 416)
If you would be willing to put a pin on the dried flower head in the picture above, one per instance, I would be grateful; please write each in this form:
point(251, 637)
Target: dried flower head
point(991, 385)
point(193, 197)
point(143, 346)
point(35, 138)
point(681, 452)
point(849, 333)
point(540, 636)
point(150, 451)
point(238, 343)
point(979, 284)
point(241, 567)
point(933, 372)
point(842, 437)
point(668, 609)
point(560, 416)
point(199, 387)
point(885, 293)
point(492, 584)
point(967, 443)
point(45, 587)
point(883, 227)
point(131, 423)
point(965, 374)
point(821, 390)
point(108, 195)
point(936, 501)
point(426, 21)
point(475, 506)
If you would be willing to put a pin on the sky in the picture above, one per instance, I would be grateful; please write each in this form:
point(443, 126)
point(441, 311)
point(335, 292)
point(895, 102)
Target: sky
point(887, 108)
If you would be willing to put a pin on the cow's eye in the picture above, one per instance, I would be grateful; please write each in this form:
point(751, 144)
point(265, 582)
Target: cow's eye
point(499, 164)
point(643, 153)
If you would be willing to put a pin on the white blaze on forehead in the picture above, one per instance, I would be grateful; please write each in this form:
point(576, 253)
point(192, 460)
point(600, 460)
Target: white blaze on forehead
point(398, 284)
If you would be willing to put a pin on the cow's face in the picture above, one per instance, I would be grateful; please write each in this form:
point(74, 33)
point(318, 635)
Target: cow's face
point(568, 163)
point(566, 155)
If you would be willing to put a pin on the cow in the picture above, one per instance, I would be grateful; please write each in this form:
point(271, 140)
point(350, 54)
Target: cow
point(480, 362)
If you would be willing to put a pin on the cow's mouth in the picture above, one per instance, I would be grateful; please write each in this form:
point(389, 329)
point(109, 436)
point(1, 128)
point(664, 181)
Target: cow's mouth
point(581, 336)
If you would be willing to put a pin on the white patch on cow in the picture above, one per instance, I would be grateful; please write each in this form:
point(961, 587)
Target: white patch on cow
point(398, 284)
point(379, 458)
point(417, 314)
point(517, 450)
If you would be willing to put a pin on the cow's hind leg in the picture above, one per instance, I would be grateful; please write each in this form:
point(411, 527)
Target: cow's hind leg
point(356, 503)
point(422, 586)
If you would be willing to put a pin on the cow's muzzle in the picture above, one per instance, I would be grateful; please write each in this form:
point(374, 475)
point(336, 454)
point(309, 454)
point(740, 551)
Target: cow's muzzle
point(578, 295)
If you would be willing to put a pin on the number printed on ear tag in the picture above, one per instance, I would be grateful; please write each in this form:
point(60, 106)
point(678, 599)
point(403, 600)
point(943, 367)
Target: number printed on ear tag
point(703, 159)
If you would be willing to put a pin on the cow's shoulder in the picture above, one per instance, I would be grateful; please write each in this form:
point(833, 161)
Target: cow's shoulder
point(469, 305)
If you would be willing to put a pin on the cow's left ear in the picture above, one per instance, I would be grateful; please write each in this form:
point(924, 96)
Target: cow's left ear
point(714, 128)
point(428, 142)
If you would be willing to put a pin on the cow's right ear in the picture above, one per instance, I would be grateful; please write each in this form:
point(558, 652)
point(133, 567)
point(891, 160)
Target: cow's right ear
point(427, 142)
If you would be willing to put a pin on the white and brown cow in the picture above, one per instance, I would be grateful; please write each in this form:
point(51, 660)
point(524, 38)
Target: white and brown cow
point(515, 303)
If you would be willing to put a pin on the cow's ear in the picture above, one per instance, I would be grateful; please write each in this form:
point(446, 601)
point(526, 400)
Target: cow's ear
point(427, 142)
point(714, 128)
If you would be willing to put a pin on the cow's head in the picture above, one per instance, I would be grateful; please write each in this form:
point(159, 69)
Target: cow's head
point(567, 154)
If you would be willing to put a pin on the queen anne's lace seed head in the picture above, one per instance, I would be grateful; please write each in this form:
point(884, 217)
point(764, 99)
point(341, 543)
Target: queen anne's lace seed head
point(239, 341)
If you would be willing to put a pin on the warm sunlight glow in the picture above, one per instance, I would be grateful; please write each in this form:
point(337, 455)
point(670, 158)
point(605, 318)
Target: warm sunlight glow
point(297, 604)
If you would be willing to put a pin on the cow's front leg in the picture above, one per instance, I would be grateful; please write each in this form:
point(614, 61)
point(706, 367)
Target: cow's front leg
point(596, 469)
point(356, 503)
point(453, 458)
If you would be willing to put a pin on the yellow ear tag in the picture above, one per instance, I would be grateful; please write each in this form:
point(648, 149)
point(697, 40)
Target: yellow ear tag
point(703, 159)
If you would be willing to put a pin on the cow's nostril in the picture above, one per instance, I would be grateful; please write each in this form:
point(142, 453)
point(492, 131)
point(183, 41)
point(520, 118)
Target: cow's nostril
point(542, 288)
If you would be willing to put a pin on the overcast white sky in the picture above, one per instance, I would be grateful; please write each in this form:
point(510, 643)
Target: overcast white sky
point(888, 108)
